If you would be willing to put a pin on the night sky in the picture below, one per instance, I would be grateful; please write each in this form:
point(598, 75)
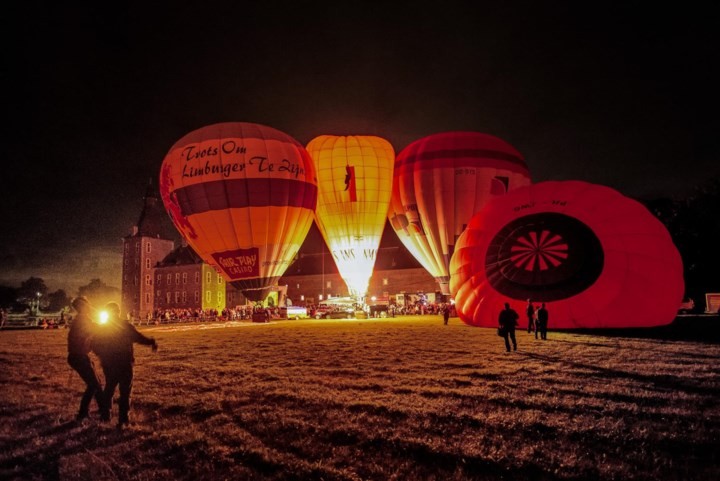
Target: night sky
point(619, 95)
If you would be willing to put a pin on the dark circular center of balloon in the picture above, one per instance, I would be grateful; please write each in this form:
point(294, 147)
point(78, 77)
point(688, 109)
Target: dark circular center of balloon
point(545, 257)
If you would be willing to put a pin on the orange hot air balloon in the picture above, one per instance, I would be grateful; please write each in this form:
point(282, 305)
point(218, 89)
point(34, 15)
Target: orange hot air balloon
point(243, 196)
point(598, 259)
point(354, 184)
point(440, 181)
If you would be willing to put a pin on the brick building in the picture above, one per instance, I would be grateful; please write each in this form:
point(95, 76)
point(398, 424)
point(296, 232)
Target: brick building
point(183, 281)
point(149, 242)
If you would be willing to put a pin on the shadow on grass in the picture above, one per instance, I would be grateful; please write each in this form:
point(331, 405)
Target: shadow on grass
point(686, 328)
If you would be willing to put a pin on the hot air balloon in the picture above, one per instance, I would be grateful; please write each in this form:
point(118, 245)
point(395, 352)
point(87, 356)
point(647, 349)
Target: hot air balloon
point(440, 181)
point(243, 196)
point(598, 259)
point(354, 182)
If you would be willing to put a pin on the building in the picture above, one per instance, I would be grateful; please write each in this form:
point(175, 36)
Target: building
point(183, 281)
point(149, 242)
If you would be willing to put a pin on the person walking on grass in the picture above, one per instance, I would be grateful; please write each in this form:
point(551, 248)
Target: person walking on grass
point(80, 337)
point(507, 321)
point(530, 311)
point(542, 322)
point(114, 347)
point(446, 313)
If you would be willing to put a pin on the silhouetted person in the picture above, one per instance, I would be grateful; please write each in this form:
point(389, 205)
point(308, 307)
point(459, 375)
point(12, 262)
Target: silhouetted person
point(80, 336)
point(507, 321)
point(530, 311)
point(446, 314)
point(542, 322)
point(114, 346)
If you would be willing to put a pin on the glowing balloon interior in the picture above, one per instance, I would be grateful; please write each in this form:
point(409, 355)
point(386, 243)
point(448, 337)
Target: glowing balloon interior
point(354, 185)
point(595, 257)
point(440, 181)
point(243, 197)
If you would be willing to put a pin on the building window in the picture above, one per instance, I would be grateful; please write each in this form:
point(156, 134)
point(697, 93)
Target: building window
point(208, 296)
point(219, 296)
point(125, 261)
point(147, 263)
point(135, 281)
point(197, 278)
point(137, 261)
point(177, 278)
point(298, 285)
point(208, 278)
point(184, 277)
point(147, 298)
point(147, 248)
point(148, 280)
point(157, 293)
point(169, 279)
point(127, 248)
point(219, 279)
point(167, 297)
point(385, 281)
point(137, 248)
point(197, 297)
point(184, 297)
point(159, 278)
point(328, 285)
point(177, 297)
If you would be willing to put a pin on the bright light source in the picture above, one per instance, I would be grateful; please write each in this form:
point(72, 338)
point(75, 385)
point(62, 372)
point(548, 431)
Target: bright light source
point(373, 298)
point(104, 316)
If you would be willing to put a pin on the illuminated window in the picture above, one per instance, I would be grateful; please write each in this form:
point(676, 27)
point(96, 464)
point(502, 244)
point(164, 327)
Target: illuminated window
point(184, 277)
point(385, 281)
point(208, 278)
point(297, 286)
point(169, 279)
point(219, 296)
point(177, 278)
point(168, 295)
point(328, 284)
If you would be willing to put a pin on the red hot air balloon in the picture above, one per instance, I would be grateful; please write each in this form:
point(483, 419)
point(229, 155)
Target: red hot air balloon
point(597, 259)
point(243, 196)
point(439, 182)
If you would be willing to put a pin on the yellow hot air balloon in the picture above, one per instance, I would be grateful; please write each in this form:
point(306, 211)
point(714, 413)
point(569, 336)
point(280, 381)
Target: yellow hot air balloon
point(354, 187)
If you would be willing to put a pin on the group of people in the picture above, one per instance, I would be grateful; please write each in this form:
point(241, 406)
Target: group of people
point(508, 321)
point(112, 342)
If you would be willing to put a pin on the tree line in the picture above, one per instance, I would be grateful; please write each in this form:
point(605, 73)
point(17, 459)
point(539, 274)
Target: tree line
point(34, 291)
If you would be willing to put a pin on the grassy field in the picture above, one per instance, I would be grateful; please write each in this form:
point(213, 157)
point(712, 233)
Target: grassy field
point(399, 399)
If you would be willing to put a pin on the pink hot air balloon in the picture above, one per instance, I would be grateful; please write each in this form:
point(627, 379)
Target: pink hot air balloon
point(439, 182)
point(598, 259)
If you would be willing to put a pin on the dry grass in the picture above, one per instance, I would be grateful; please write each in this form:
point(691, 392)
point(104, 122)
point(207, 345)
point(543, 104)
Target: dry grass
point(398, 399)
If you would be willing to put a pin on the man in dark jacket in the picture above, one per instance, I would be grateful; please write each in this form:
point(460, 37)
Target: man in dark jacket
point(114, 346)
point(542, 322)
point(79, 339)
point(507, 321)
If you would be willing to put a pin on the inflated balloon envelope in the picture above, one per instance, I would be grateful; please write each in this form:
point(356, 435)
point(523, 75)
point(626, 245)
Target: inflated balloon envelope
point(597, 259)
point(439, 182)
point(243, 196)
point(354, 186)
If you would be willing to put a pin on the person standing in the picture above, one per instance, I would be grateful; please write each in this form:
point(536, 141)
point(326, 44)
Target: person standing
point(80, 337)
point(114, 347)
point(446, 313)
point(507, 321)
point(530, 311)
point(542, 321)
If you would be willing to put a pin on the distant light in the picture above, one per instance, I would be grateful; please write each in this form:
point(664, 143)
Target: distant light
point(320, 297)
point(302, 297)
point(373, 298)
point(104, 316)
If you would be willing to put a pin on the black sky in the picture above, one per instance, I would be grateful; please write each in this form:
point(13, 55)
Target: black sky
point(622, 95)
